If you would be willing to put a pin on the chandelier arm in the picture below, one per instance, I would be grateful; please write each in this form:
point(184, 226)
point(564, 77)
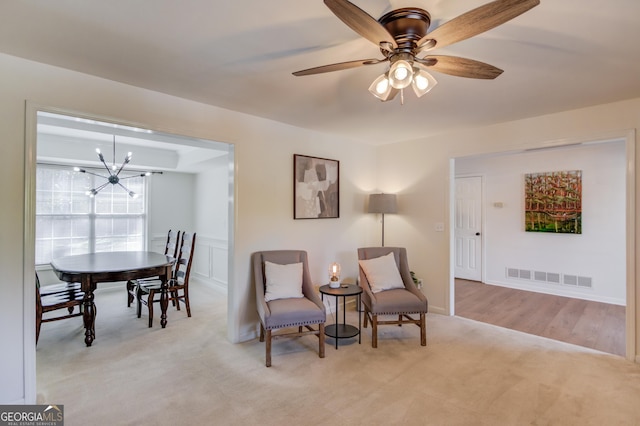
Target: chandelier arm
point(131, 193)
point(91, 173)
point(101, 187)
point(124, 163)
point(105, 165)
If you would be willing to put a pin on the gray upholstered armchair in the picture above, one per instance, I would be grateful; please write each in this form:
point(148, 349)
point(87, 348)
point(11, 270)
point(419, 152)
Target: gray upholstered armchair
point(385, 292)
point(285, 297)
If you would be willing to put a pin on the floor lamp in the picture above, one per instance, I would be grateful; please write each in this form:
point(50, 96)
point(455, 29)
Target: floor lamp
point(384, 204)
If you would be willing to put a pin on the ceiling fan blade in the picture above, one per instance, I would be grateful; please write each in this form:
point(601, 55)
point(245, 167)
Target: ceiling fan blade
point(338, 67)
point(460, 67)
point(361, 22)
point(476, 21)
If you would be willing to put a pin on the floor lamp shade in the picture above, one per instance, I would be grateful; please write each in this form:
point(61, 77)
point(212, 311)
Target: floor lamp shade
point(383, 203)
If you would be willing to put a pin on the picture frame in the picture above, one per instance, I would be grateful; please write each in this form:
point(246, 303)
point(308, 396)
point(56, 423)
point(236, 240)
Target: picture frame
point(316, 187)
point(553, 202)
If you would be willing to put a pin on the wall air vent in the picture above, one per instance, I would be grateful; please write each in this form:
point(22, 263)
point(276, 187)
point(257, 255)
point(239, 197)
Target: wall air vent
point(512, 273)
point(570, 280)
point(584, 282)
point(524, 274)
point(553, 277)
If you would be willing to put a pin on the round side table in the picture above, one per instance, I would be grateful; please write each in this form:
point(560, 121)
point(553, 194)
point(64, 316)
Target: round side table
point(343, 331)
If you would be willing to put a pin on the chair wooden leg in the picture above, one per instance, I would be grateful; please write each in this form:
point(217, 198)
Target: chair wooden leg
point(38, 323)
point(268, 349)
point(186, 302)
point(129, 294)
point(139, 302)
point(366, 317)
point(321, 338)
point(261, 332)
point(150, 306)
point(423, 329)
point(400, 320)
point(374, 331)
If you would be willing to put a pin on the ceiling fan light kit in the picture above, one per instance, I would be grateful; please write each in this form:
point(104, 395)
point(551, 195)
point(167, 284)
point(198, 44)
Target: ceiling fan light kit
point(403, 34)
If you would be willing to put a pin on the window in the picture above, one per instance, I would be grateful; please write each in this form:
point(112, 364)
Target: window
point(69, 222)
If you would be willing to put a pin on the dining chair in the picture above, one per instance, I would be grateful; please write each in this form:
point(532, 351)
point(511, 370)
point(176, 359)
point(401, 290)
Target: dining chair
point(49, 300)
point(170, 249)
point(388, 289)
point(286, 298)
point(149, 292)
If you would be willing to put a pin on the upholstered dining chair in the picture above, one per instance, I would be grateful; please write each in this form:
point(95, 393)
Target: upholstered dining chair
point(285, 297)
point(389, 290)
point(148, 292)
point(54, 298)
point(170, 249)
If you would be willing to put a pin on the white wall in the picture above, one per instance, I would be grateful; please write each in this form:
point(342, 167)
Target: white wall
point(598, 253)
point(212, 224)
point(263, 185)
point(171, 200)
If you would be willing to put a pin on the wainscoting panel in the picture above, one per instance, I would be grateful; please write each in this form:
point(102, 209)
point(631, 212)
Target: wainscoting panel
point(209, 261)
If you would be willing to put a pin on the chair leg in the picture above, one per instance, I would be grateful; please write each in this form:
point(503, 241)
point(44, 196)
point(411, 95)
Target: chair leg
point(268, 349)
point(321, 338)
point(139, 302)
point(423, 329)
point(186, 302)
point(38, 323)
point(129, 294)
point(366, 317)
point(150, 306)
point(400, 320)
point(374, 331)
point(261, 332)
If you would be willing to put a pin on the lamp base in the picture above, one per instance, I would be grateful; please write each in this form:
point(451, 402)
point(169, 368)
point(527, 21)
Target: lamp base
point(334, 284)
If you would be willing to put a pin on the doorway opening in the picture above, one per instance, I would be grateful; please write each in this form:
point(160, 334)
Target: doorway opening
point(562, 269)
point(193, 190)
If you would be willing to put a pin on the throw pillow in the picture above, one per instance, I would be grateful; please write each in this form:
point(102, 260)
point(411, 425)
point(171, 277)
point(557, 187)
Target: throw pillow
point(283, 281)
point(382, 273)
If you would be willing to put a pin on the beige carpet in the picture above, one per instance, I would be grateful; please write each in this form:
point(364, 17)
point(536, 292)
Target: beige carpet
point(468, 374)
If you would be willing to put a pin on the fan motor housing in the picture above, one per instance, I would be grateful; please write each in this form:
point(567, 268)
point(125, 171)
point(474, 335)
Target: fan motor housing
point(407, 25)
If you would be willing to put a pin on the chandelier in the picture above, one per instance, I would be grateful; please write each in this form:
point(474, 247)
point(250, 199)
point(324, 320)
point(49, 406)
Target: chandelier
point(114, 173)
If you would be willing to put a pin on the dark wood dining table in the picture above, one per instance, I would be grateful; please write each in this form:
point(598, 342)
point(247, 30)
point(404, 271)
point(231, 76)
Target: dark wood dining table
point(93, 268)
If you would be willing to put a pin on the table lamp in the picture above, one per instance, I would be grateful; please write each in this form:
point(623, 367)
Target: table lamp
point(334, 275)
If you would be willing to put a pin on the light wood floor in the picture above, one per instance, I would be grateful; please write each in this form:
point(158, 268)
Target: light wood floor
point(595, 325)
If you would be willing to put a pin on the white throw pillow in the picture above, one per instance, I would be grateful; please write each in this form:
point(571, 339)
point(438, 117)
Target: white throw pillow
point(382, 273)
point(283, 281)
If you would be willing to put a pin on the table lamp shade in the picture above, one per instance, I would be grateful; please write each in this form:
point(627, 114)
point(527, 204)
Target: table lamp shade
point(383, 203)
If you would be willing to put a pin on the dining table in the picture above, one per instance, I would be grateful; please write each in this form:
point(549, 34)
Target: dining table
point(93, 268)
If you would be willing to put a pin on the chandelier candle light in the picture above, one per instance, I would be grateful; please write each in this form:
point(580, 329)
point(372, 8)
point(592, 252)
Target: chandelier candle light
point(334, 275)
point(114, 173)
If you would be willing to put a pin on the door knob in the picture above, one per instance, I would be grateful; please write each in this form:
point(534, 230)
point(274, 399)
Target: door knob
point(477, 233)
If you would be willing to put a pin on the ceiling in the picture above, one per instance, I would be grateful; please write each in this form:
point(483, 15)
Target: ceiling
point(239, 55)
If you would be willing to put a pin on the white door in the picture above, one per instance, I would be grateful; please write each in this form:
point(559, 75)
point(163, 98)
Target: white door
point(468, 222)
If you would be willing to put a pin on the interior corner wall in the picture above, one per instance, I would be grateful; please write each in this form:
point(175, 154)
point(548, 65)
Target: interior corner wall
point(210, 209)
point(263, 199)
point(598, 253)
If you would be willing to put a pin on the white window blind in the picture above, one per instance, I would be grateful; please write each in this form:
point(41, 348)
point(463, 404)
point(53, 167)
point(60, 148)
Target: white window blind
point(70, 222)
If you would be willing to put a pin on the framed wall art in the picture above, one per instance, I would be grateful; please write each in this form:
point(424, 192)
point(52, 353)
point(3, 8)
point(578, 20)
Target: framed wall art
point(316, 189)
point(553, 202)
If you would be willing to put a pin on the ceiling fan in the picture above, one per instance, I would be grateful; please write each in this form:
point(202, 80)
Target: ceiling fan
point(402, 34)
